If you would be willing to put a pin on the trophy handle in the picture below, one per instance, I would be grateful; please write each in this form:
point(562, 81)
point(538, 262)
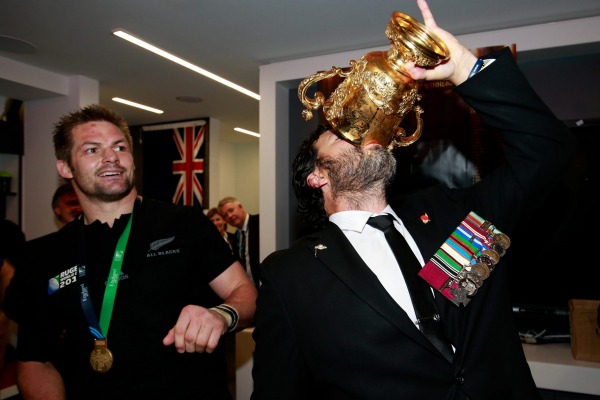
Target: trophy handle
point(319, 100)
point(400, 137)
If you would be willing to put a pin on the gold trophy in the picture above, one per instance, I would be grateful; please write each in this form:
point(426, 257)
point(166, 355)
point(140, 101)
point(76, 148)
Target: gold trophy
point(377, 92)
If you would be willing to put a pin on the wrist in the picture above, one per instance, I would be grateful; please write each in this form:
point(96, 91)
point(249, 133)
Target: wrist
point(476, 68)
point(463, 67)
point(230, 314)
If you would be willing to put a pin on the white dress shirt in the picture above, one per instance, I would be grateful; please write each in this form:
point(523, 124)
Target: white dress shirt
point(373, 248)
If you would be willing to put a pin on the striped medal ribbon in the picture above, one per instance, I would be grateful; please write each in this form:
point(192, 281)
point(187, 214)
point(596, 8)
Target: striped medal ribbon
point(466, 259)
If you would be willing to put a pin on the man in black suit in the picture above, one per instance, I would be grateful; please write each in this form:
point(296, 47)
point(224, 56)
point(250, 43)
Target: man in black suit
point(334, 319)
point(248, 238)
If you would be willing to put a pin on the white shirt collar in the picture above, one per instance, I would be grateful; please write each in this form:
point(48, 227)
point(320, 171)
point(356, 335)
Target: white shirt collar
point(245, 226)
point(355, 220)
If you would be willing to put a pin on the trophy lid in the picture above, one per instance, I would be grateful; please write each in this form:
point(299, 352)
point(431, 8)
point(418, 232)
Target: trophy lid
point(421, 45)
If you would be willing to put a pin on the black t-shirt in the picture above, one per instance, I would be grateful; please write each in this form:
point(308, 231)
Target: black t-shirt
point(172, 254)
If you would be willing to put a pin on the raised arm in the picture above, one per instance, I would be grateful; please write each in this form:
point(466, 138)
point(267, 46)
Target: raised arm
point(457, 68)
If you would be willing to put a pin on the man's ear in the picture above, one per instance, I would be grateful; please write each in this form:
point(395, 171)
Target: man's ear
point(63, 169)
point(315, 180)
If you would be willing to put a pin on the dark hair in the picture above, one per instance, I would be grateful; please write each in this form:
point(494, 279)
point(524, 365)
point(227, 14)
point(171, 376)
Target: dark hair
point(212, 212)
point(65, 188)
point(12, 243)
point(63, 129)
point(311, 207)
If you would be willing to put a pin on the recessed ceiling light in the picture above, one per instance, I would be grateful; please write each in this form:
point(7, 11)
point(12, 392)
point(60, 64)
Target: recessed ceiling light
point(13, 45)
point(189, 99)
point(177, 60)
point(247, 132)
point(138, 105)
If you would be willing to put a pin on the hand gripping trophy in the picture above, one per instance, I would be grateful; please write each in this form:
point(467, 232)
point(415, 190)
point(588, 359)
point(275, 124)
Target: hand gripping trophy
point(377, 92)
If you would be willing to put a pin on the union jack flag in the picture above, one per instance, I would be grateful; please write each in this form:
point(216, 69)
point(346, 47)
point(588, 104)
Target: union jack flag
point(189, 141)
point(174, 162)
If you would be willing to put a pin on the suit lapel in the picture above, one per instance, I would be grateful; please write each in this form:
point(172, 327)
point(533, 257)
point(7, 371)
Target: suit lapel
point(334, 251)
point(429, 237)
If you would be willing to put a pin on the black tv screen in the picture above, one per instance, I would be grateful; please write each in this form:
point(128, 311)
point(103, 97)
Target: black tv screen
point(558, 262)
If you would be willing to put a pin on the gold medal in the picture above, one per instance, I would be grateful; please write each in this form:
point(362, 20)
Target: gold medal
point(101, 358)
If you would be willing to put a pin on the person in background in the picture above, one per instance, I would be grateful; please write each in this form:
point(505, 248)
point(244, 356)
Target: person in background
point(215, 216)
point(65, 204)
point(179, 287)
point(11, 253)
point(248, 234)
point(337, 316)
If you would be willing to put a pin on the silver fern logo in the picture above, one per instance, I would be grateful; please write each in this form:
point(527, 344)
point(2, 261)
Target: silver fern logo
point(157, 245)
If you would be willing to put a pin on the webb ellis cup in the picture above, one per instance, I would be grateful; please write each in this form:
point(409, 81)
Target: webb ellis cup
point(377, 92)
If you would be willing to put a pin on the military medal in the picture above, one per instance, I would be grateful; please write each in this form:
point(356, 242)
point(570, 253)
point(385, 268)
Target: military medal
point(481, 269)
point(502, 240)
point(466, 259)
point(101, 357)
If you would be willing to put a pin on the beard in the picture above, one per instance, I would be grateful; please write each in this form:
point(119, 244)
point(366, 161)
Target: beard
point(105, 193)
point(356, 175)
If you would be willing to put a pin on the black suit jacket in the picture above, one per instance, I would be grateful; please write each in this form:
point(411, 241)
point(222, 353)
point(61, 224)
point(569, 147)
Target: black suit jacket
point(254, 247)
point(233, 243)
point(327, 329)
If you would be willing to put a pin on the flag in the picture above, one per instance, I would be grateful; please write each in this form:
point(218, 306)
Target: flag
point(175, 164)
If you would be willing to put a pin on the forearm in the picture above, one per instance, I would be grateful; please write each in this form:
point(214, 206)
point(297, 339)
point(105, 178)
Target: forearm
point(243, 299)
point(537, 147)
point(37, 380)
point(237, 291)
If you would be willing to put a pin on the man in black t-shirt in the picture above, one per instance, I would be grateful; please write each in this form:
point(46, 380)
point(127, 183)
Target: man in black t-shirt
point(179, 287)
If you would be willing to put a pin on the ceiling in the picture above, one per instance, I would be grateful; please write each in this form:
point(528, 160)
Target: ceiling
point(231, 38)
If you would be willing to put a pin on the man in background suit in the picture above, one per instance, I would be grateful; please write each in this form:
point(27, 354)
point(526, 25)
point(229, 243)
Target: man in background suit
point(248, 237)
point(334, 319)
point(65, 204)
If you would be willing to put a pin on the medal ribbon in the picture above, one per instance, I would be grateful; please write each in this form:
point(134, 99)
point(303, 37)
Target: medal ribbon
point(100, 330)
point(460, 250)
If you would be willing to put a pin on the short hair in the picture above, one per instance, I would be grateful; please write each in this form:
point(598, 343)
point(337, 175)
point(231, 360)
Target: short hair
point(210, 213)
point(228, 199)
point(63, 130)
point(65, 188)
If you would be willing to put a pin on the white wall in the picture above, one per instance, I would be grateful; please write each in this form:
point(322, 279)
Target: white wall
point(247, 177)
point(238, 174)
point(234, 170)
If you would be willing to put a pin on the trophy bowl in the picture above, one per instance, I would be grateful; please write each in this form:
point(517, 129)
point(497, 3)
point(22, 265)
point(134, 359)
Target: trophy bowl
point(377, 92)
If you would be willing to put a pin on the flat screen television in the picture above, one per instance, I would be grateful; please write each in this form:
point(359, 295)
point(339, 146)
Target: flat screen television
point(558, 263)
